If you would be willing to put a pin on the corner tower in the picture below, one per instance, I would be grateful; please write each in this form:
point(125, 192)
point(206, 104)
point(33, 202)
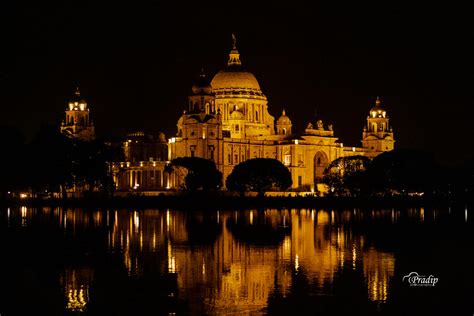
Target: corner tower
point(377, 136)
point(77, 123)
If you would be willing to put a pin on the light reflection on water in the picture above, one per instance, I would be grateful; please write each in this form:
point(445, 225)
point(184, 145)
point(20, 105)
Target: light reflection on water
point(233, 261)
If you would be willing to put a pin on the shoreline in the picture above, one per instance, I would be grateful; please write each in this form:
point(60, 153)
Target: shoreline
point(215, 201)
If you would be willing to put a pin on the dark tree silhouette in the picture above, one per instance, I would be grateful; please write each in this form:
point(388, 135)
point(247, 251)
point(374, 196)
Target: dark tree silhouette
point(201, 174)
point(58, 163)
point(259, 175)
point(346, 175)
point(13, 160)
point(51, 166)
point(403, 171)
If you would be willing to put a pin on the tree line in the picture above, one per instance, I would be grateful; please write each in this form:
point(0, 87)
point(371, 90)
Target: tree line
point(53, 163)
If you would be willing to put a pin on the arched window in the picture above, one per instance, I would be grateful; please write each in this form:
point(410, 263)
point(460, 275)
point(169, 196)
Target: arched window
point(283, 131)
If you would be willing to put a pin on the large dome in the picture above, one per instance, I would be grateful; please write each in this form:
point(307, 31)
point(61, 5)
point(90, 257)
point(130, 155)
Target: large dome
point(235, 78)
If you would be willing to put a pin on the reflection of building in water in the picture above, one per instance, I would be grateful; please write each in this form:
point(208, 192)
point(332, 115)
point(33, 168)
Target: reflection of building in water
point(244, 274)
point(229, 261)
point(378, 270)
point(76, 282)
point(140, 234)
point(223, 262)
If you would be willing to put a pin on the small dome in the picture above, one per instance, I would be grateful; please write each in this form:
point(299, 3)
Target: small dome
point(377, 107)
point(202, 85)
point(237, 115)
point(77, 102)
point(377, 111)
point(283, 119)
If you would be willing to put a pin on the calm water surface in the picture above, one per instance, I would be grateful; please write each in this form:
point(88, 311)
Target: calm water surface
point(287, 262)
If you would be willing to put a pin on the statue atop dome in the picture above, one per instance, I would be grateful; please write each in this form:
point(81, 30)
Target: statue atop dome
point(234, 41)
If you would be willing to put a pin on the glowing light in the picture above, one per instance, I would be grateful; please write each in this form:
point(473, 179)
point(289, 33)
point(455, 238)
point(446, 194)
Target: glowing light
point(296, 142)
point(23, 195)
point(354, 257)
point(136, 221)
point(353, 149)
point(171, 261)
point(297, 264)
point(251, 217)
point(172, 140)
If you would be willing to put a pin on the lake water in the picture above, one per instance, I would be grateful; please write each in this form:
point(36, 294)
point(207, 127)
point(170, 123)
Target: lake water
point(57, 261)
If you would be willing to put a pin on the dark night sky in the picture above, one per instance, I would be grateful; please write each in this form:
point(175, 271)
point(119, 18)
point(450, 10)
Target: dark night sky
point(135, 63)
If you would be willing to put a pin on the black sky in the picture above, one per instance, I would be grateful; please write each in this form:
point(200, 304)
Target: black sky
point(135, 63)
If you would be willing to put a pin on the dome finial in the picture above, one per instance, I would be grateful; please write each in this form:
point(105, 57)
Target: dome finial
point(202, 74)
point(77, 92)
point(377, 102)
point(234, 42)
point(234, 56)
point(283, 112)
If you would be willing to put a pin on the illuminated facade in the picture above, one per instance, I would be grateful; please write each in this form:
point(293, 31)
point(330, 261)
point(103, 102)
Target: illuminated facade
point(77, 123)
point(143, 165)
point(228, 121)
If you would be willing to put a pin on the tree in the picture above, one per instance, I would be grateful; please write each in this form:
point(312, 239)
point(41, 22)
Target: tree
point(201, 174)
point(51, 168)
point(403, 171)
point(346, 175)
point(91, 168)
point(13, 159)
point(259, 175)
point(60, 163)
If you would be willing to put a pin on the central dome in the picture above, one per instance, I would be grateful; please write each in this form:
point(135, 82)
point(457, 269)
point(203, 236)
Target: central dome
point(235, 78)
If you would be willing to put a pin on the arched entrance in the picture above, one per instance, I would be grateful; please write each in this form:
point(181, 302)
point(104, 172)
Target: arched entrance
point(321, 161)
